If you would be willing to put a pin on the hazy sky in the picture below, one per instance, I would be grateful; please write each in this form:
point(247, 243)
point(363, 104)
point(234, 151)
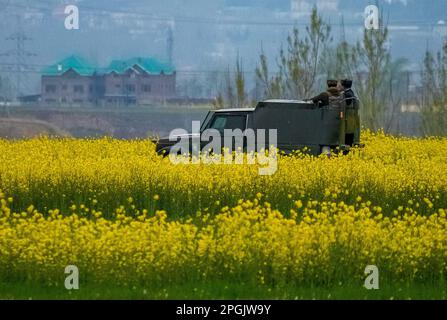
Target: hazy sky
point(208, 34)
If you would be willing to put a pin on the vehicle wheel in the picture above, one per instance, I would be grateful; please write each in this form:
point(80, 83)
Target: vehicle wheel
point(164, 152)
point(326, 151)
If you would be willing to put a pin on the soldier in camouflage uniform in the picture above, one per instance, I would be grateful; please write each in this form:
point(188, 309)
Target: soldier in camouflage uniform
point(352, 113)
point(324, 98)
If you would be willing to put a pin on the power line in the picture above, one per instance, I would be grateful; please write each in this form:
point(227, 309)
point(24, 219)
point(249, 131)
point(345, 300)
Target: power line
point(32, 68)
point(19, 53)
point(217, 20)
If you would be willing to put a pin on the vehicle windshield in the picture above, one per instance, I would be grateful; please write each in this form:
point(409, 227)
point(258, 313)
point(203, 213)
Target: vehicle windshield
point(206, 120)
point(231, 122)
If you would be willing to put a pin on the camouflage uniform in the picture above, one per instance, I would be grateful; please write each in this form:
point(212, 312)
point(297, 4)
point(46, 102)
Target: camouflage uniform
point(325, 98)
point(352, 116)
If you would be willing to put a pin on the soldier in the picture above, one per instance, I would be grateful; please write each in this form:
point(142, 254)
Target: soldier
point(352, 113)
point(332, 92)
point(346, 87)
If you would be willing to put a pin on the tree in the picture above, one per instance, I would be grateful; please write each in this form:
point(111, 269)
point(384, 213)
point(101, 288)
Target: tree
point(211, 84)
point(299, 65)
point(229, 89)
point(233, 92)
point(6, 88)
point(239, 79)
point(433, 97)
point(6, 93)
point(378, 79)
point(272, 85)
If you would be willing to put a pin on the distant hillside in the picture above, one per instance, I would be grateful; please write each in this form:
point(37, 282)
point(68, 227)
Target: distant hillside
point(127, 123)
point(26, 128)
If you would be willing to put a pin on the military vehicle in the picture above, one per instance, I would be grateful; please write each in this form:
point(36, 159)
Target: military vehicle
point(300, 125)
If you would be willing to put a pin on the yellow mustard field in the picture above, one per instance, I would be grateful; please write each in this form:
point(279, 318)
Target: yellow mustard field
point(119, 212)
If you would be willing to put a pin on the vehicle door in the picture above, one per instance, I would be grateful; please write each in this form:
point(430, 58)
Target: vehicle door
point(231, 127)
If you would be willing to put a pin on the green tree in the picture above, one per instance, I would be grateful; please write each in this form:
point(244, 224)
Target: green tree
point(272, 84)
point(378, 79)
point(233, 92)
point(239, 80)
point(433, 97)
point(6, 88)
point(299, 64)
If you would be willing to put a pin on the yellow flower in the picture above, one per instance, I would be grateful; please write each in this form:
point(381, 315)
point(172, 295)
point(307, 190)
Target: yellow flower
point(331, 228)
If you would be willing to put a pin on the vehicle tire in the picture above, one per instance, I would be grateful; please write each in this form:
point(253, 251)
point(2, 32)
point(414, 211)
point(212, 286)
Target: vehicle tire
point(326, 150)
point(164, 152)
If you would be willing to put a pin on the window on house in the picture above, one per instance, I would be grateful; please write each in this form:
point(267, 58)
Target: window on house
point(50, 88)
point(79, 89)
point(64, 87)
point(130, 88)
point(146, 88)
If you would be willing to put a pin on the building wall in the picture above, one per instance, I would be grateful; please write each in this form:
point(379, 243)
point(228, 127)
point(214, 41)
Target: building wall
point(120, 88)
point(141, 88)
point(71, 89)
point(155, 87)
point(110, 89)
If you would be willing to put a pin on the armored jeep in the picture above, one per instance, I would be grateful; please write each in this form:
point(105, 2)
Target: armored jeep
point(300, 125)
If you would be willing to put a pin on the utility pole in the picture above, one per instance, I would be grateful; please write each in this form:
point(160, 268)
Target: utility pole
point(20, 55)
point(170, 53)
point(170, 45)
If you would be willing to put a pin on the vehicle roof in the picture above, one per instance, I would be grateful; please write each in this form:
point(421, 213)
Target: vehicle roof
point(277, 101)
point(287, 101)
point(236, 110)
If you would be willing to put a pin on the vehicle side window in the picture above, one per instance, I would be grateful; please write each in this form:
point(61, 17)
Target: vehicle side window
point(222, 122)
point(219, 123)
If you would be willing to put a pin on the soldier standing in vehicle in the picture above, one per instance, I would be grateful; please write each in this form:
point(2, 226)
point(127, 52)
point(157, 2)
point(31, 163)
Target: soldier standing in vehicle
point(324, 98)
point(346, 87)
point(352, 113)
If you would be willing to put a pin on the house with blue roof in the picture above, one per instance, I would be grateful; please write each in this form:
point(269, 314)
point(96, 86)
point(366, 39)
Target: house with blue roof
point(71, 81)
point(140, 80)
